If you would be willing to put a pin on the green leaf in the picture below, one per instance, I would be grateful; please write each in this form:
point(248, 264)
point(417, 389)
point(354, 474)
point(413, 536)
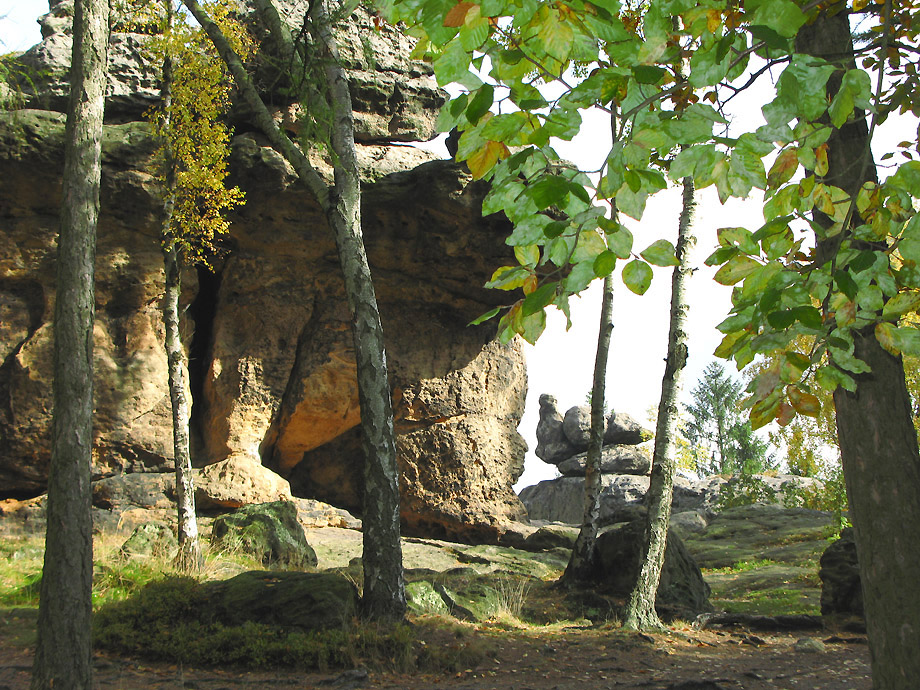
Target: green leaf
point(532, 326)
point(527, 255)
point(846, 284)
point(781, 320)
point(898, 340)
point(907, 178)
point(808, 316)
point(740, 237)
point(548, 191)
point(590, 245)
point(481, 103)
point(484, 317)
point(660, 253)
point(736, 269)
point(539, 298)
point(557, 35)
point(855, 89)
point(453, 65)
point(721, 255)
point(604, 264)
point(579, 277)
point(648, 74)
point(621, 242)
point(902, 303)
point(829, 377)
point(637, 276)
point(529, 231)
point(631, 203)
point(782, 16)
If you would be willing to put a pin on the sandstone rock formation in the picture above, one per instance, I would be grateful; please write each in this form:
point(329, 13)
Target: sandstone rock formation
point(268, 333)
point(624, 475)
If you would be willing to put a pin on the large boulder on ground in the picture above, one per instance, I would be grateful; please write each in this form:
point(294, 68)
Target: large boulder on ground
point(151, 540)
point(614, 460)
point(269, 532)
point(841, 587)
point(552, 444)
point(237, 481)
point(309, 601)
point(682, 591)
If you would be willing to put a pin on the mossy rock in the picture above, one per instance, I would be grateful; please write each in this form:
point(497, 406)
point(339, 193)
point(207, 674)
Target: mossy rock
point(309, 601)
point(269, 532)
point(422, 598)
point(746, 533)
point(152, 539)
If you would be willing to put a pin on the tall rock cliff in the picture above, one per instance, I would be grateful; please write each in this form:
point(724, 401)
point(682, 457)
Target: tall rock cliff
point(268, 333)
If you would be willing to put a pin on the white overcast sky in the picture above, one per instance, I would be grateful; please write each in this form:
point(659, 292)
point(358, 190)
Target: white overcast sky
point(562, 363)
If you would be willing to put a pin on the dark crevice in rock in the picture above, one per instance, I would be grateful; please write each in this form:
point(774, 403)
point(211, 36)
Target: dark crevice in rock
point(202, 311)
point(15, 294)
point(267, 449)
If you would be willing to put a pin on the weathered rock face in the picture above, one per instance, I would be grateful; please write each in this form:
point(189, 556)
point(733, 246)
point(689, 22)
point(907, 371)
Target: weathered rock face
point(552, 444)
point(394, 98)
point(272, 362)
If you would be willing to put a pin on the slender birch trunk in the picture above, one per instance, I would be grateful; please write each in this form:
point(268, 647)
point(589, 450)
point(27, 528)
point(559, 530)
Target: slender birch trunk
point(580, 565)
point(189, 558)
point(384, 585)
point(63, 654)
point(640, 612)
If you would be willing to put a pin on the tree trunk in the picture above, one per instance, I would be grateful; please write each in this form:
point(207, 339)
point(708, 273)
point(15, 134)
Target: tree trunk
point(580, 565)
point(63, 654)
point(384, 586)
point(189, 558)
point(640, 612)
point(878, 443)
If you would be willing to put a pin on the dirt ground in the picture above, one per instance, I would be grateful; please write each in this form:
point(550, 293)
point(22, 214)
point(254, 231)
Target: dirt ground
point(572, 658)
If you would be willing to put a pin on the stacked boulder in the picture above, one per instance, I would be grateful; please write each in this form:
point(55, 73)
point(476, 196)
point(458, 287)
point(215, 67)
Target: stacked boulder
point(562, 440)
point(625, 466)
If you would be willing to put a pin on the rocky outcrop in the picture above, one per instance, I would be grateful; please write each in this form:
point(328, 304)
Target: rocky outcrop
point(625, 466)
point(394, 98)
point(272, 363)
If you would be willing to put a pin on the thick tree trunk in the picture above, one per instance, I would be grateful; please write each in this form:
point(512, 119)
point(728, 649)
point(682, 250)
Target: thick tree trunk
point(63, 655)
point(580, 564)
point(878, 443)
point(189, 558)
point(640, 612)
point(384, 586)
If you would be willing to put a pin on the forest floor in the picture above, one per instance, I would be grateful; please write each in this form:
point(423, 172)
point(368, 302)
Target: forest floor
point(758, 562)
point(537, 659)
